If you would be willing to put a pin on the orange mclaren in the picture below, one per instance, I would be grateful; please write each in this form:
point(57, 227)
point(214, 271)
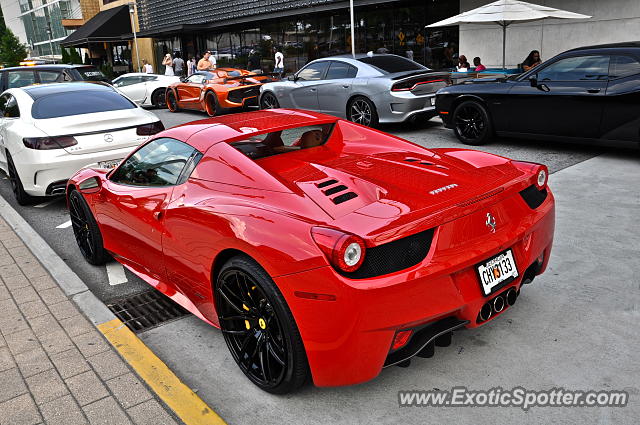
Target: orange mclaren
point(216, 91)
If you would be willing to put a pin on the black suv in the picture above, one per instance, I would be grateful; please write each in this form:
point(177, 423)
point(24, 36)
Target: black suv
point(21, 76)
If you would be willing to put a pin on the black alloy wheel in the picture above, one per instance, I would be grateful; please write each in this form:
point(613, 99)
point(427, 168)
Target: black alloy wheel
point(259, 328)
point(172, 102)
point(86, 231)
point(269, 101)
point(22, 197)
point(159, 98)
point(211, 104)
point(471, 122)
point(362, 111)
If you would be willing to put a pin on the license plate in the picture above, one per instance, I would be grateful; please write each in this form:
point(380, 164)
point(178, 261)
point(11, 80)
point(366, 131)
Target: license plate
point(109, 164)
point(433, 101)
point(497, 272)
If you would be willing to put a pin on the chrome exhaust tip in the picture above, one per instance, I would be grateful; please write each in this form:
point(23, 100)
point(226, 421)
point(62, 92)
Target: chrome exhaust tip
point(485, 312)
point(511, 296)
point(498, 304)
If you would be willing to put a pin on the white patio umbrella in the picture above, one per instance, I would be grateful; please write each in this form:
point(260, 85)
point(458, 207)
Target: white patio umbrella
point(505, 13)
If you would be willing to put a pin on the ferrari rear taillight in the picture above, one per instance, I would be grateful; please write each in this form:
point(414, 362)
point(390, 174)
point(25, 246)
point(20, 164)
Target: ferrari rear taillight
point(401, 339)
point(343, 250)
point(540, 171)
point(150, 129)
point(46, 143)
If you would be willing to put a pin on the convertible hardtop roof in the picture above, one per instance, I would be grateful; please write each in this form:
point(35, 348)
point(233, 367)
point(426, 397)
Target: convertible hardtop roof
point(228, 128)
point(623, 45)
point(41, 90)
point(49, 67)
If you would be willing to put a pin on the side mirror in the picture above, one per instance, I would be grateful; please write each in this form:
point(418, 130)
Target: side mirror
point(533, 80)
point(90, 185)
point(183, 79)
point(292, 77)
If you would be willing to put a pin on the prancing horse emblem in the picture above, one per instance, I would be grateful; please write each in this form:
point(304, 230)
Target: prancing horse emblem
point(491, 222)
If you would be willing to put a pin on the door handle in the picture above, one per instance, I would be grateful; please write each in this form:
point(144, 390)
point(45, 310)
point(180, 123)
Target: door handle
point(312, 89)
point(345, 86)
point(157, 215)
point(593, 91)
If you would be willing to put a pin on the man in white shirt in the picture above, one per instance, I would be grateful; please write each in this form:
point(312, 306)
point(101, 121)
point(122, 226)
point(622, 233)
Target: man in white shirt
point(279, 61)
point(212, 59)
point(146, 67)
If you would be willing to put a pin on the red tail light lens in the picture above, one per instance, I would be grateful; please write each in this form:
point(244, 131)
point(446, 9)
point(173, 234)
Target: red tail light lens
point(344, 251)
point(410, 85)
point(401, 339)
point(46, 143)
point(150, 129)
point(540, 171)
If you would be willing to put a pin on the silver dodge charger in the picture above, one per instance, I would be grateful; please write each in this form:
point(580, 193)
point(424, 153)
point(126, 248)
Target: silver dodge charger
point(368, 89)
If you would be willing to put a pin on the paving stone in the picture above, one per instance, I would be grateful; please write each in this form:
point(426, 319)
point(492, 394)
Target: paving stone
point(24, 295)
point(12, 242)
point(11, 384)
point(32, 268)
point(43, 282)
point(5, 260)
point(33, 309)
point(46, 386)
point(9, 271)
point(22, 251)
point(77, 325)
point(63, 411)
point(6, 361)
point(63, 310)
point(108, 365)
point(150, 413)
point(90, 343)
point(4, 292)
point(52, 296)
point(129, 390)
point(19, 411)
point(3, 343)
point(15, 281)
point(70, 363)
point(44, 324)
point(21, 341)
point(33, 362)
point(12, 322)
point(106, 412)
point(86, 388)
point(56, 342)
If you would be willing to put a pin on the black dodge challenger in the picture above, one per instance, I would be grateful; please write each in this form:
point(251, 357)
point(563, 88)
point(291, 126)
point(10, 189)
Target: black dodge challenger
point(585, 94)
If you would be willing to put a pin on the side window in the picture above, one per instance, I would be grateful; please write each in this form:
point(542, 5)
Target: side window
point(49, 76)
point(196, 78)
point(313, 72)
point(578, 68)
point(9, 106)
point(20, 78)
point(149, 78)
point(127, 81)
point(66, 76)
point(338, 70)
point(623, 66)
point(158, 163)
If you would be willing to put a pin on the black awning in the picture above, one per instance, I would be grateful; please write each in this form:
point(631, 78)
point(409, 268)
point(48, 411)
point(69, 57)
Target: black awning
point(110, 25)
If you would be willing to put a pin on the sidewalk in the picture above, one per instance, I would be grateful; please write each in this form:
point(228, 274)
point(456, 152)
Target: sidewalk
point(55, 366)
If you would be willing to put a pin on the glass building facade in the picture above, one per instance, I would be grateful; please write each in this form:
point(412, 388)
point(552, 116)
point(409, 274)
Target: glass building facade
point(42, 21)
point(391, 27)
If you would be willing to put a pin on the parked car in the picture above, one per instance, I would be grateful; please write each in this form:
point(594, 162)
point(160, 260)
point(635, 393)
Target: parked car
point(586, 94)
point(21, 76)
point(145, 89)
point(216, 91)
point(50, 131)
point(319, 247)
point(367, 90)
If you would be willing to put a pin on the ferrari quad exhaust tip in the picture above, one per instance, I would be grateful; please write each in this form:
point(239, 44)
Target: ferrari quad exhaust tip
point(498, 304)
point(485, 312)
point(511, 296)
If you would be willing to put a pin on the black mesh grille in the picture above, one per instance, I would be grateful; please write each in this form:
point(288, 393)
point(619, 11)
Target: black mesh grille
point(394, 256)
point(533, 197)
point(237, 95)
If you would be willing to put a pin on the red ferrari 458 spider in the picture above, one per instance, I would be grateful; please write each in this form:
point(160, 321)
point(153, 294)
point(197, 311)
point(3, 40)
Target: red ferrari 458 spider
point(319, 247)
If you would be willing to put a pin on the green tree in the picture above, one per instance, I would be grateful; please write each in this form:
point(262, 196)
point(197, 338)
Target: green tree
point(74, 57)
point(11, 50)
point(65, 55)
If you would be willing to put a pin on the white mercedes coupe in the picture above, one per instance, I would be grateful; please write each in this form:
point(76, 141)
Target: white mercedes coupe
point(50, 131)
point(145, 89)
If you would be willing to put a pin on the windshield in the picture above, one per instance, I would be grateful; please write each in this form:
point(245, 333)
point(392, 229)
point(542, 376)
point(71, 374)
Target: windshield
point(78, 103)
point(288, 140)
point(389, 64)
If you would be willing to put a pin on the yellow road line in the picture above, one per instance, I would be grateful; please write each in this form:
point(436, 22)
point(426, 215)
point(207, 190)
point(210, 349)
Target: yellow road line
point(185, 403)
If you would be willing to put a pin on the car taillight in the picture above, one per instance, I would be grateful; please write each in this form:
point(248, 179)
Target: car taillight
point(344, 251)
point(540, 171)
point(150, 129)
point(46, 143)
point(410, 85)
point(401, 339)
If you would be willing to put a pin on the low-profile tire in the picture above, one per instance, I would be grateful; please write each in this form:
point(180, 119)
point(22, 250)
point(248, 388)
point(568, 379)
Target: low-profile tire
point(259, 328)
point(211, 105)
point(269, 100)
point(472, 124)
point(159, 98)
point(362, 111)
point(22, 197)
point(172, 102)
point(86, 230)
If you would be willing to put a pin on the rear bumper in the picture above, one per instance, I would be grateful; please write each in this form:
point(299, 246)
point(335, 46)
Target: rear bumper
point(348, 340)
point(400, 106)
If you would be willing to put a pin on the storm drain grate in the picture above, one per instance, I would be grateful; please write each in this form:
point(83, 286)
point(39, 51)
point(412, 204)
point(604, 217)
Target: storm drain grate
point(146, 310)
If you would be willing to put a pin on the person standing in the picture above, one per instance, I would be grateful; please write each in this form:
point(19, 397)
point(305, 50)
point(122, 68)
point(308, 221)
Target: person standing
point(168, 64)
point(254, 62)
point(212, 60)
point(178, 64)
point(204, 64)
point(191, 66)
point(146, 67)
point(279, 61)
